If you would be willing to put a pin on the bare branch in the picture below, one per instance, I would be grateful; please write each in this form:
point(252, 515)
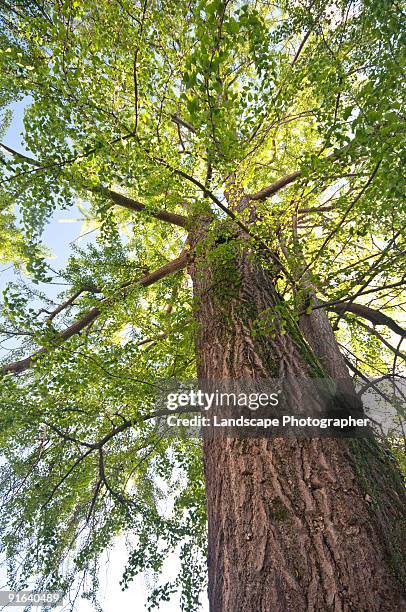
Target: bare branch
point(66, 475)
point(65, 162)
point(127, 424)
point(301, 46)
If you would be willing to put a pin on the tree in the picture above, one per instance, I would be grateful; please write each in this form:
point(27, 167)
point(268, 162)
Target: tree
point(241, 164)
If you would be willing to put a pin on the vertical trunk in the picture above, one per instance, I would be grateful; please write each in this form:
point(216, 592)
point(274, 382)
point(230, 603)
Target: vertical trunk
point(294, 524)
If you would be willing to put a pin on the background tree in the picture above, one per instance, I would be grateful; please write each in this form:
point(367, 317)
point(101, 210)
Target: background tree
point(242, 164)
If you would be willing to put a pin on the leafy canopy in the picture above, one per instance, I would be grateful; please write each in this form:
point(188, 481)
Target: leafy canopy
point(166, 103)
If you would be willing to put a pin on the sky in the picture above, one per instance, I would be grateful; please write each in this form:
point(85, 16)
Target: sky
point(65, 228)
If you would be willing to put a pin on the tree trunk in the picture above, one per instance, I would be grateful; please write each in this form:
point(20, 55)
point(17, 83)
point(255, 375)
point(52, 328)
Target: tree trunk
point(293, 524)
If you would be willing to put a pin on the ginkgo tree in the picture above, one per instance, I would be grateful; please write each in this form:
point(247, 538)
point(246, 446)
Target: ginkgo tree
point(242, 164)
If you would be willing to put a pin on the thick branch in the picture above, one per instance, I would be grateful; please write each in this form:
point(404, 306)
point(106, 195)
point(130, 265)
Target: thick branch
point(21, 156)
point(266, 192)
point(126, 202)
point(273, 188)
point(70, 301)
point(24, 364)
point(117, 198)
point(375, 316)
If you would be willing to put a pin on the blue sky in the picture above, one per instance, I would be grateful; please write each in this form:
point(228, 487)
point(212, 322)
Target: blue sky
point(63, 229)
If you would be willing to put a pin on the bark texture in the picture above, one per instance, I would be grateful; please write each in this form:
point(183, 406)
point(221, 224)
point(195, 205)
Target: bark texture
point(294, 525)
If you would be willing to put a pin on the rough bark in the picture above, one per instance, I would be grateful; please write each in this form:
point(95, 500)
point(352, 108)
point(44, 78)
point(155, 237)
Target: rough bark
point(294, 525)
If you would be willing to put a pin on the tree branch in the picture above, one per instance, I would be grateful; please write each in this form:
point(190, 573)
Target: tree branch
point(117, 198)
point(375, 316)
point(273, 188)
point(17, 367)
point(24, 158)
point(70, 301)
point(179, 121)
point(372, 331)
point(358, 294)
point(126, 202)
point(266, 192)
